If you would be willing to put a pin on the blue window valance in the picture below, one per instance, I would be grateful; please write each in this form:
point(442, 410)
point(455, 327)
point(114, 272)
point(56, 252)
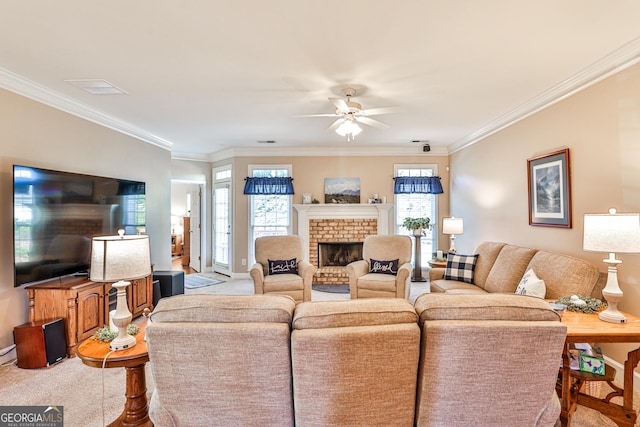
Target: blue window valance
point(268, 185)
point(417, 184)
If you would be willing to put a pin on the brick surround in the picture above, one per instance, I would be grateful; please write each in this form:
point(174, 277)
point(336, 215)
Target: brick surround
point(336, 230)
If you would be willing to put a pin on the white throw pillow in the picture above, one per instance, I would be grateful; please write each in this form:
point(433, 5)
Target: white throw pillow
point(530, 284)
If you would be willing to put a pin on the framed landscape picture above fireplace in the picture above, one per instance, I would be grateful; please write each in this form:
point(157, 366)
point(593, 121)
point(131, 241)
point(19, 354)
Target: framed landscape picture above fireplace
point(342, 190)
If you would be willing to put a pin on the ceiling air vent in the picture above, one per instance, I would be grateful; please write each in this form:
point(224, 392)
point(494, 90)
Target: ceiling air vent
point(97, 87)
point(266, 141)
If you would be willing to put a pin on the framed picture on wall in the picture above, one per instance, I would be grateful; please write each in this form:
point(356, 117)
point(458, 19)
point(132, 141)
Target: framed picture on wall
point(550, 190)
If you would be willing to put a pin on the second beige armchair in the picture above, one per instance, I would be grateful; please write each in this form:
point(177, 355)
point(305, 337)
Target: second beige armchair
point(275, 272)
point(385, 271)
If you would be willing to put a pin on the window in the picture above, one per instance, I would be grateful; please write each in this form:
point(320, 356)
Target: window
point(270, 214)
point(134, 216)
point(23, 202)
point(418, 205)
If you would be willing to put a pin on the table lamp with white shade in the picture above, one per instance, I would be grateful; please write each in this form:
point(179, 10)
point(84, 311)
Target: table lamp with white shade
point(452, 226)
point(118, 259)
point(612, 232)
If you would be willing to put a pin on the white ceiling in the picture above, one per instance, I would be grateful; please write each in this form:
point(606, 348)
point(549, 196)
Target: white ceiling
point(205, 77)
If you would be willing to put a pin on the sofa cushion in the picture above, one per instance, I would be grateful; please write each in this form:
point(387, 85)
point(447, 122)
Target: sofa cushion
point(358, 312)
point(487, 254)
point(460, 267)
point(508, 269)
point(449, 285)
point(482, 307)
point(564, 275)
point(283, 266)
point(384, 267)
point(283, 282)
point(531, 285)
point(224, 308)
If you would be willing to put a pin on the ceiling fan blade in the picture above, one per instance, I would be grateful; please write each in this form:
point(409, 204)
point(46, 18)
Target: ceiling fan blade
point(335, 124)
point(320, 115)
point(339, 103)
point(381, 110)
point(371, 122)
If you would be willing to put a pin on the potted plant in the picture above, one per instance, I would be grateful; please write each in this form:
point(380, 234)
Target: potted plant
point(417, 225)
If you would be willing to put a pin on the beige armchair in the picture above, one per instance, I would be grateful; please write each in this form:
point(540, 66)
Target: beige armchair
point(364, 284)
point(488, 360)
point(281, 248)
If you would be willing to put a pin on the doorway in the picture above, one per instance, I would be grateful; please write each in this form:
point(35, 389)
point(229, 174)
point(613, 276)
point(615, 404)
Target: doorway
point(222, 227)
point(186, 224)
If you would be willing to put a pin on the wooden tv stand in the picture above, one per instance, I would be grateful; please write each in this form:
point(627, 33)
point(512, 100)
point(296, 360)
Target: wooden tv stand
point(84, 305)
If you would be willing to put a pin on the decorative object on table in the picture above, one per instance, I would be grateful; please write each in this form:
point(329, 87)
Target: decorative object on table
point(117, 259)
point(558, 308)
point(591, 359)
point(315, 202)
point(612, 232)
point(417, 226)
point(550, 190)
point(452, 226)
point(582, 304)
point(342, 190)
point(306, 198)
point(105, 334)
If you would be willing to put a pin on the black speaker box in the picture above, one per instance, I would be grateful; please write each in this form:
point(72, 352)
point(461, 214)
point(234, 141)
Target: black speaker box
point(40, 344)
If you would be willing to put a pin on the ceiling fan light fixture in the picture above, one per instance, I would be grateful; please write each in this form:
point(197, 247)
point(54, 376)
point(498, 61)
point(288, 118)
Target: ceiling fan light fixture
point(350, 129)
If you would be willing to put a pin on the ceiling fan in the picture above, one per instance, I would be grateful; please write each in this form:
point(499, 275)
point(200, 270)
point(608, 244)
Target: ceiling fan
point(350, 113)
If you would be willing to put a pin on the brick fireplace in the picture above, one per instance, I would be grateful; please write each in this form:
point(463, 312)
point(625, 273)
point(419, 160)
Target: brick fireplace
point(341, 225)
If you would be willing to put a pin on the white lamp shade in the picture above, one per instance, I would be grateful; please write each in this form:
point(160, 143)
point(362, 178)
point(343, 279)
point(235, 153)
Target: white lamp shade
point(612, 233)
point(115, 258)
point(452, 226)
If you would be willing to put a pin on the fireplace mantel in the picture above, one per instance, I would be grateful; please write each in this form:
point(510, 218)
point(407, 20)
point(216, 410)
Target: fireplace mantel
point(380, 211)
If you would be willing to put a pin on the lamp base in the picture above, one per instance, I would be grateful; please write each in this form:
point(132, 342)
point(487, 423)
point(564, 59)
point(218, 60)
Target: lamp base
point(612, 316)
point(122, 343)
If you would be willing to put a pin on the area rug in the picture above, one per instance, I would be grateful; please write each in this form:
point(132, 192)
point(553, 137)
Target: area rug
point(334, 289)
point(192, 281)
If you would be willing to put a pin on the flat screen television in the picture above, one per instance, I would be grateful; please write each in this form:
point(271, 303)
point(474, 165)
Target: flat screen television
point(55, 215)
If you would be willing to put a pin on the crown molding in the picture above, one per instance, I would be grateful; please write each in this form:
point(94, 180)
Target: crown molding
point(616, 61)
point(32, 90)
point(350, 151)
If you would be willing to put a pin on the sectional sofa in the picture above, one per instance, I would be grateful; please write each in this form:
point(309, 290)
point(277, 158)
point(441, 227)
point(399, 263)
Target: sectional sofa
point(459, 360)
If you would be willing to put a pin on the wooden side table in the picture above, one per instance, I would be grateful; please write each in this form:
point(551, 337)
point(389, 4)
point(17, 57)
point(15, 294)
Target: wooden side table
point(588, 328)
point(136, 408)
point(437, 264)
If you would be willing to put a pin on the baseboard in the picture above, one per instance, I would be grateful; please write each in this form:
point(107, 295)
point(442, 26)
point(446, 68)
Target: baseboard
point(620, 374)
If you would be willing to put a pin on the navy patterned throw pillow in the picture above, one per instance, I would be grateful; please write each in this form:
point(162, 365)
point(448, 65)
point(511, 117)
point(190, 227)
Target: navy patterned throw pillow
point(285, 266)
point(384, 267)
point(460, 267)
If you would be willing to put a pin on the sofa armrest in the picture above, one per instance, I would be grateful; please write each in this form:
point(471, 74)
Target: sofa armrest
point(436, 273)
point(257, 274)
point(355, 270)
point(403, 287)
point(306, 270)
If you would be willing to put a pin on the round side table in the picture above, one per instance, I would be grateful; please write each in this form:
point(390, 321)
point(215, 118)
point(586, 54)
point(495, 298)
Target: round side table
point(136, 408)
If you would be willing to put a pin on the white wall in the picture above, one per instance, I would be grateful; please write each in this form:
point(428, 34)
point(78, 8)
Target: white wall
point(36, 135)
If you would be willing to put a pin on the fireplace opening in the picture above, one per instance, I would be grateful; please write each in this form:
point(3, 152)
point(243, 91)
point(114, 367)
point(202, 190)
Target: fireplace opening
point(338, 254)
